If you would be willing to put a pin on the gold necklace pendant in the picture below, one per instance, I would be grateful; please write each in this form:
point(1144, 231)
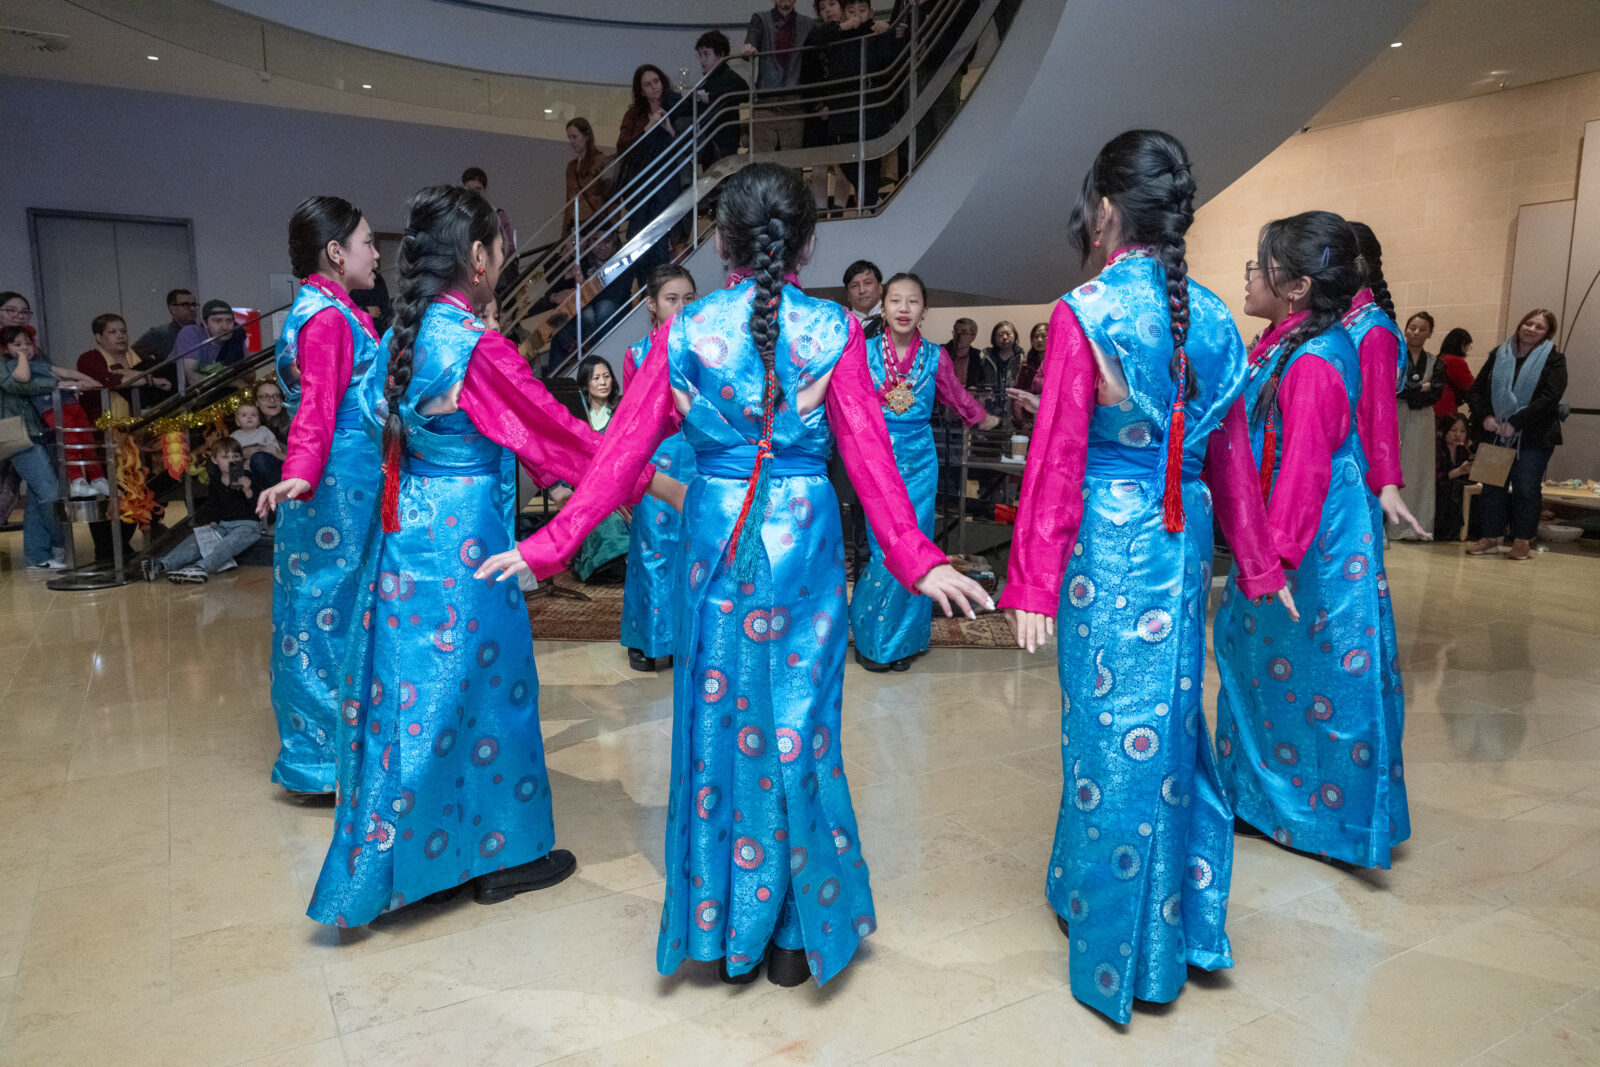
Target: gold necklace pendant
point(901, 398)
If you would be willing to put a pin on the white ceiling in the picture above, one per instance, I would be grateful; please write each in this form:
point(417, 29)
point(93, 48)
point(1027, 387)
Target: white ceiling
point(1454, 49)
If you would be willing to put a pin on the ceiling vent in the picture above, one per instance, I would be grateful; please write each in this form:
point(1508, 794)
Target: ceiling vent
point(34, 40)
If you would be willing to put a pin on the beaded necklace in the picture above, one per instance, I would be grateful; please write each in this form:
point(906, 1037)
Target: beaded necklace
point(899, 389)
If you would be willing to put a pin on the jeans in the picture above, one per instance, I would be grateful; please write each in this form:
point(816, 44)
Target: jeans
point(41, 533)
point(237, 535)
point(1517, 503)
point(266, 470)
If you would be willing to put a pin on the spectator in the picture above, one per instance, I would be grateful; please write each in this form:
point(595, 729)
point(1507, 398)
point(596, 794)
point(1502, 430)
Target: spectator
point(583, 173)
point(269, 401)
point(995, 369)
point(29, 367)
point(720, 93)
point(210, 344)
point(1028, 377)
point(225, 523)
point(263, 452)
point(777, 35)
point(43, 541)
point(1453, 466)
point(962, 334)
point(648, 128)
point(477, 180)
point(113, 364)
point(1457, 376)
point(375, 302)
point(15, 309)
point(600, 304)
point(156, 343)
point(1516, 402)
point(815, 71)
point(1421, 379)
point(846, 57)
point(863, 295)
point(600, 390)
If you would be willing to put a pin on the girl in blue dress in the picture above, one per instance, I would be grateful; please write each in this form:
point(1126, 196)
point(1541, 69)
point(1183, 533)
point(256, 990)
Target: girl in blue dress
point(655, 540)
point(764, 860)
point(892, 625)
point(442, 777)
point(1310, 715)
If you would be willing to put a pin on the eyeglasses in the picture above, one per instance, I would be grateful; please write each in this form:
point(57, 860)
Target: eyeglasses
point(20, 313)
point(1251, 266)
point(186, 304)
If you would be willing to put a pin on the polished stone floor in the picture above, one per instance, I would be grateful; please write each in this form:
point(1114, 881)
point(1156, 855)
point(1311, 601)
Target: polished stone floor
point(153, 882)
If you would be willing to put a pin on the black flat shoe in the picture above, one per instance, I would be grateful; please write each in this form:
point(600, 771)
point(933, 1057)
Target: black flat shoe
point(542, 873)
point(1244, 829)
point(737, 979)
point(873, 665)
point(901, 664)
point(787, 966)
point(1065, 931)
point(640, 662)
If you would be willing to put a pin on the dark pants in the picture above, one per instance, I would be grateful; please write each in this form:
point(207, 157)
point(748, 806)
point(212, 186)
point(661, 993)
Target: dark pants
point(266, 470)
point(1517, 503)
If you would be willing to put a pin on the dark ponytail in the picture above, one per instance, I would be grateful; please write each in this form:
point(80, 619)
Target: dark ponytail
point(1371, 253)
point(1321, 246)
point(318, 220)
point(1146, 175)
point(444, 221)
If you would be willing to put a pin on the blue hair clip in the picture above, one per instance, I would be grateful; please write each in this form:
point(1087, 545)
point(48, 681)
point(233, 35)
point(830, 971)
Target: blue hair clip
point(1325, 253)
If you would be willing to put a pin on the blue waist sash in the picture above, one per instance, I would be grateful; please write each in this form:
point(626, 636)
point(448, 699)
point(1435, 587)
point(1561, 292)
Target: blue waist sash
point(422, 468)
point(737, 463)
point(1145, 467)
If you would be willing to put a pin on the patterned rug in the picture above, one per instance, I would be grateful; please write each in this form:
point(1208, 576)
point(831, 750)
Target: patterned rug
point(599, 618)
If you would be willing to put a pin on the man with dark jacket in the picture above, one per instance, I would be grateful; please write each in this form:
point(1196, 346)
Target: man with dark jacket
point(155, 344)
point(777, 35)
point(720, 93)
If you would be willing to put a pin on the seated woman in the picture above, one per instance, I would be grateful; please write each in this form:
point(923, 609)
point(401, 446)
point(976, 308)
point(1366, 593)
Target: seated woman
point(1452, 468)
point(609, 542)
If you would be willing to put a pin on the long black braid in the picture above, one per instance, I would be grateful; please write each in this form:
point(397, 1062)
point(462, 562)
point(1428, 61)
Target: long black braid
point(1371, 253)
point(444, 221)
point(1318, 245)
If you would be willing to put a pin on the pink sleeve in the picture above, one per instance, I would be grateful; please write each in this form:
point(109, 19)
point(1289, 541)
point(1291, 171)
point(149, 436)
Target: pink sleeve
point(1316, 420)
point(1377, 417)
point(646, 416)
point(325, 354)
point(1235, 484)
point(949, 392)
point(1051, 508)
point(856, 415)
point(629, 369)
point(513, 408)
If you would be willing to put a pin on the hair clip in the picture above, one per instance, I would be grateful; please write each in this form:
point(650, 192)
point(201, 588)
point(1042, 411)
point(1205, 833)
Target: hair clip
point(1326, 252)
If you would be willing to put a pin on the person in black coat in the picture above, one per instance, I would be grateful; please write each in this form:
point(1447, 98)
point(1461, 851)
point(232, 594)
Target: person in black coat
point(846, 56)
point(1516, 402)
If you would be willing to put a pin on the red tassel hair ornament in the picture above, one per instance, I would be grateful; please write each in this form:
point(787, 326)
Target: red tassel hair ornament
point(391, 487)
point(1172, 493)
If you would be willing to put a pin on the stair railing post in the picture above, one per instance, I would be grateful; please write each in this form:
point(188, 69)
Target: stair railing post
point(577, 291)
point(861, 128)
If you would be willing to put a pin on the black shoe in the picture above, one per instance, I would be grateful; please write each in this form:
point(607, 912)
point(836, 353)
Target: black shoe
point(873, 665)
point(737, 979)
point(1244, 829)
point(901, 664)
point(1065, 932)
point(787, 966)
point(542, 873)
point(640, 662)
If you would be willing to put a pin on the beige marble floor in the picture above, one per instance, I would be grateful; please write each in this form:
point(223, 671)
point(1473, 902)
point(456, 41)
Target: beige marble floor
point(153, 882)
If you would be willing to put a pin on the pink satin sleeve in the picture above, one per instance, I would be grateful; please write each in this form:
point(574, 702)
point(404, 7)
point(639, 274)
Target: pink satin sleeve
point(647, 416)
point(1235, 482)
point(1316, 420)
point(629, 369)
point(1051, 509)
point(1377, 414)
point(856, 415)
point(511, 407)
point(325, 354)
point(949, 392)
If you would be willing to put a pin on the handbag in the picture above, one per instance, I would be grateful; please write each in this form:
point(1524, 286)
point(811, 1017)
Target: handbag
point(1492, 464)
point(13, 437)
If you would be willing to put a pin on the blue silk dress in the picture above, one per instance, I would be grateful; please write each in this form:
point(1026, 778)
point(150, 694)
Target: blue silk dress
point(1143, 853)
point(761, 842)
point(890, 622)
point(1310, 715)
point(655, 550)
point(443, 775)
point(318, 548)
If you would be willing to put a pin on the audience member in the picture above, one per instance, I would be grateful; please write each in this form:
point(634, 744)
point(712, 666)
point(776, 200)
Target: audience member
point(863, 295)
point(225, 523)
point(375, 302)
point(269, 401)
point(583, 173)
point(815, 73)
point(777, 35)
point(476, 179)
point(1029, 378)
point(601, 391)
point(113, 364)
point(648, 127)
point(1516, 402)
point(720, 94)
point(1457, 381)
point(43, 541)
point(846, 56)
point(87, 477)
point(263, 452)
point(210, 344)
point(995, 369)
point(962, 334)
point(15, 309)
point(1453, 465)
point(1420, 381)
point(156, 343)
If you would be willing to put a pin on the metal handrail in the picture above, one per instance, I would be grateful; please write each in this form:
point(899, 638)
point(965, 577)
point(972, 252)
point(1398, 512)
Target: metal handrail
point(903, 76)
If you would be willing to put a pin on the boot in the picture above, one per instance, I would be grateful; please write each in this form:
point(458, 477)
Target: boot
point(787, 966)
point(542, 873)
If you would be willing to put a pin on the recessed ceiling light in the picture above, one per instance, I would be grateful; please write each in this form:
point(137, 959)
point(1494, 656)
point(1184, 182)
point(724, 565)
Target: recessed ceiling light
point(1397, 44)
point(549, 111)
point(365, 86)
point(152, 57)
point(1394, 99)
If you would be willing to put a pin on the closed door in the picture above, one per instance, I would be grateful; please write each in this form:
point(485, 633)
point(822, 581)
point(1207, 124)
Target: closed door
point(88, 265)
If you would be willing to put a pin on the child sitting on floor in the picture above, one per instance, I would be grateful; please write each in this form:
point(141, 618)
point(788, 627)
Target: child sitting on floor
point(225, 523)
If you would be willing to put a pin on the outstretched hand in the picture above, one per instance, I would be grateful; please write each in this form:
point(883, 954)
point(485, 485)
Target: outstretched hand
point(1030, 627)
point(1029, 402)
point(1396, 512)
point(949, 588)
point(288, 489)
point(1284, 597)
point(502, 565)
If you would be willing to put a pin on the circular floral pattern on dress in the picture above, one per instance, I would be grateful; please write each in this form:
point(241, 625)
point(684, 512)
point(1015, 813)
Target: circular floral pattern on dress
point(492, 843)
point(1125, 861)
point(714, 686)
point(1356, 661)
point(707, 914)
point(435, 845)
point(697, 574)
point(1077, 907)
point(1080, 591)
point(788, 743)
point(820, 740)
point(1286, 753)
point(758, 625)
point(747, 853)
point(778, 624)
point(841, 841)
point(1086, 794)
point(408, 696)
point(800, 508)
point(527, 787)
point(1361, 754)
point(444, 742)
point(1280, 669)
point(1140, 743)
point(393, 586)
point(1136, 435)
point(864, 924)
point(488, 652)
point(1103, 678)
point(1200, 872)
point(351, 711)
point(1283, 837)
point(1321, 708)
point(485, 751)
point(797, 860)
point(706, 800)
point(1106, 979)
point(752, 742)
point(1332, 796)
point(327, 619)
point(1355, 567)
point(1172, 909)
point(1154, 625)
point(472, 552)
point(828, 892)
point(519, 691)
point(711, 350)
point(328, 538)
point(1169, 790)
